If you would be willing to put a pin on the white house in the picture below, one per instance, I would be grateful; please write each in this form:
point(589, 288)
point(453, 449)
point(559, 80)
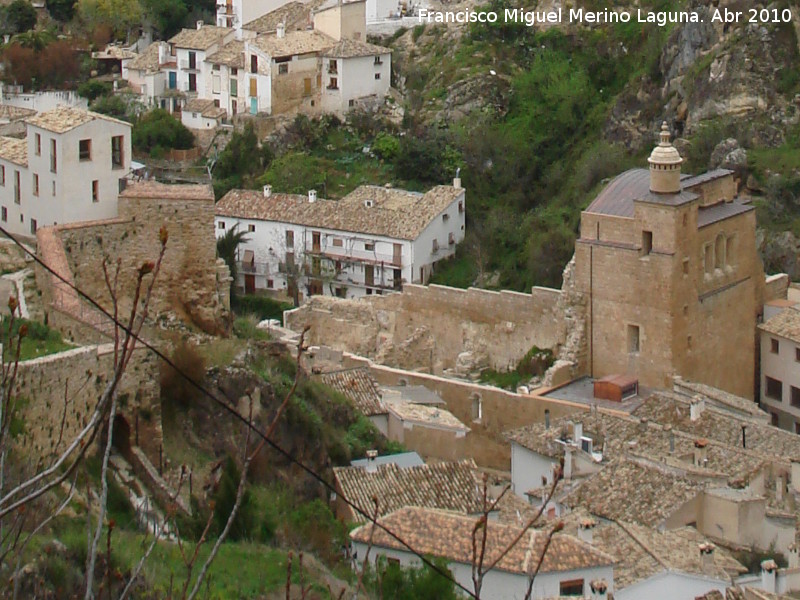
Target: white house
point(202, 114)
point(570, 567)
point(780, 364)
point(190, 48)
point(67, 169)
point(371, 241)
point(226, 84)
point(354, 72)
point(147, 76)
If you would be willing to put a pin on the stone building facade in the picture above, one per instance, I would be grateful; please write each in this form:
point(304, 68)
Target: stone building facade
point(672, 281)
point(193, 283)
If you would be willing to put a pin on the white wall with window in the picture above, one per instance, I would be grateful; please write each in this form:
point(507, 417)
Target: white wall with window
point(780, 368)
point(69, 174)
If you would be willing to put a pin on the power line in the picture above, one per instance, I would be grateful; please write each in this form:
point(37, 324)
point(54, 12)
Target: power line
point(238, 416)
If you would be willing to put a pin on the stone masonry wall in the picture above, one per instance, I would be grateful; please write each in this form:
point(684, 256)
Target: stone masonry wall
point(80, 375)
point(433, 328)
point(501, 411)
point(190, 282)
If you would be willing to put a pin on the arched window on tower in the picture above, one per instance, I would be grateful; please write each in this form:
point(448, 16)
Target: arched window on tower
point(719, 252)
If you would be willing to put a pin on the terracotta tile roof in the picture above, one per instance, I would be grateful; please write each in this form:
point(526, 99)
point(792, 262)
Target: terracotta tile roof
point(231, 54)
point(444, 534)
point(294, 43)
point(395, 213)
point(359, 387)
point(163, 191)
point(445, 485)
point(643, 551)
point(147, 61)
point(349, 48)
point(721, 398)
point(14, 150)
point(205, 108)
point(15, 113)
point(785, 324)
point(617, 436)
point(64, 118)
point(627, 491)
point(295, 15)
point(717, 425)
point(431, 416)
point(200, 39)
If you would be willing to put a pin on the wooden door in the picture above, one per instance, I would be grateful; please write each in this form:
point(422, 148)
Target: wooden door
point(249, 284)
point(398, 254)
point(369, 274)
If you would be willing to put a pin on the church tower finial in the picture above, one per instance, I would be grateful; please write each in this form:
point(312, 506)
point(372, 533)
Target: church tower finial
point(665, 165)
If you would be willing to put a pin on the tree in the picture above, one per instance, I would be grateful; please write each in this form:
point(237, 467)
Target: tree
point(226, 250)
point(61, 10)
point(93, 89)
point(159, 129)
point(120, 15)
point(20, 16)
point(167, 15)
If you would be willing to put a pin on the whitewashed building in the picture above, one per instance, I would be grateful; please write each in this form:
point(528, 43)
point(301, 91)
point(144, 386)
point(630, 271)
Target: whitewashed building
point(780, 364)
point(570, 567)
point(147, 76)
point(372, 241)
point(67, 169)
point(190, 72)
point(354, 72)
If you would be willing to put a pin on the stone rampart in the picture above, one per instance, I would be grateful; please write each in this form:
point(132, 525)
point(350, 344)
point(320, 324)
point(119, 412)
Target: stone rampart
point(434, 328)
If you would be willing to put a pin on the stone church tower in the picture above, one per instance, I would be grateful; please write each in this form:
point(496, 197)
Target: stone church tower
point(673, 283)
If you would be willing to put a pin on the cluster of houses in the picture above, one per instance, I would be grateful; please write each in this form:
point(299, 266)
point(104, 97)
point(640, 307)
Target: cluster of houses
point(294, 57)
point(651, 503)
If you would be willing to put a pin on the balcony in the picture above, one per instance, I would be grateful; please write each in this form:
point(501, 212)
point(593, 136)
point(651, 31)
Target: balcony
point(253, 268)
point(361, 257)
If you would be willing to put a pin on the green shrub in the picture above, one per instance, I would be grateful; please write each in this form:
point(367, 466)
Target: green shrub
point(386, 146)
point(93, 89)
point(261, 306)
point(158, 128)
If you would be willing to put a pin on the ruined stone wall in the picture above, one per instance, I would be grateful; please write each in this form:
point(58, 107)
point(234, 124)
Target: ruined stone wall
point(500, 411)
point(189, 282)
point(80, 375)
point(434, 328)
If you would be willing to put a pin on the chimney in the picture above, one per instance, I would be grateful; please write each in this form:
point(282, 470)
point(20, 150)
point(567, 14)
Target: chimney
point(599, 589)
point(769, 571)
point(547, 425)
point(700, 452)
point(577, 433)
point(371, 456)
point(457, 183)
point(267, 191)
point(568, 452)
point(586, 530)
point(162, 53)
point(794, 556)
point(281, 29)
point(312, 195)
point(696, 408)
point(780, 488)
point(707, 556)
point(200, 24)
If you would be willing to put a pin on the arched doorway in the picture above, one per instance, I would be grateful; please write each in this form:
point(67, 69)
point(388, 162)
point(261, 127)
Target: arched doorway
point(122, 437)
